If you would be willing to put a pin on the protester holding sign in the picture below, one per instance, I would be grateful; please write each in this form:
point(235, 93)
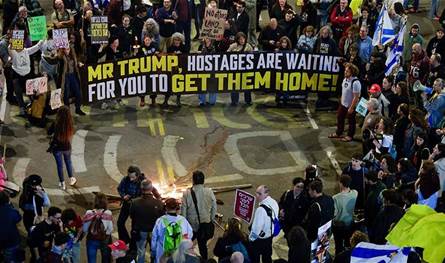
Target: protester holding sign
point(49, 60)
point(37, 27)
point(233, 240)
point(21, 66)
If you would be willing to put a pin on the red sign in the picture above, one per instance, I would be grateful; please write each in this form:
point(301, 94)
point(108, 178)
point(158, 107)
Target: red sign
point(244, 205)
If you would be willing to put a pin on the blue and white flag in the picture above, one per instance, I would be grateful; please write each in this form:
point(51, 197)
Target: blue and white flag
point(384, 30)
point(371, 253)
point(396, 52)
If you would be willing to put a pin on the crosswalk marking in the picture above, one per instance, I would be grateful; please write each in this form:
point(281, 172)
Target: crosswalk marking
point(162, 179)
point(200, 119)
point(110, 158)
point(78, 150)
point(152, 126)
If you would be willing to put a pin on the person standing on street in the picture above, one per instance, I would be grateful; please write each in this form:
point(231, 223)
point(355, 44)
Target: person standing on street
point(321, 210)
point(129, 188)
point(344, 204)
point(199, 207)
point(60, 146)
point(261, 232)
point(144, 211)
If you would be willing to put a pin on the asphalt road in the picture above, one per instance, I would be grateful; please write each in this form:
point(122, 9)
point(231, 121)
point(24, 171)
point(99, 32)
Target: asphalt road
point(253, 145)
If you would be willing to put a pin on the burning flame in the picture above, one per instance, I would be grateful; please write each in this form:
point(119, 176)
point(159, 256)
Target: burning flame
point(170, 191)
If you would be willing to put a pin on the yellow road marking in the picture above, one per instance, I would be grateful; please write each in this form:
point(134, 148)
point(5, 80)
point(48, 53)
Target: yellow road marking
point(200, 119)
point(218, 115)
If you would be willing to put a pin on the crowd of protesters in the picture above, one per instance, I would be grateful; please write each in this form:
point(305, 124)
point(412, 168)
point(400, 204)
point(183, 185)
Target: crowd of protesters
point(402, 161)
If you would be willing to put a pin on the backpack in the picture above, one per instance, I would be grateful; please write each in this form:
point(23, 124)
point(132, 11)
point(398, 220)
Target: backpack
point(96, 230)
point(275, 221)
point(172, 235)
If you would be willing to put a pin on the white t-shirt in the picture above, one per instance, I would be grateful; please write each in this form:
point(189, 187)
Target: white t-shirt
point(349, 87)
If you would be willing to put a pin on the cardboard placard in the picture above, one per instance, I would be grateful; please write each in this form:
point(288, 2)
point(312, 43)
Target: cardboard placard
point(37, 27)
point(213, 23)
point(99, 29)
point(244, 205)
point(56, 100)
point(18, 39)
point(36, 86)
point(60, 38)
point(361, 107)
point(320, 247)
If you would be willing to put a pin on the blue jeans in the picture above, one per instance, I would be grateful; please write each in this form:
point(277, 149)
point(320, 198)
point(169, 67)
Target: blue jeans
point(202, 98)
point(60, 156)
point(93, 246)
point(75, 256)
point(142, 246)
point(234, 97)
point(434, 8)
point(72, 88)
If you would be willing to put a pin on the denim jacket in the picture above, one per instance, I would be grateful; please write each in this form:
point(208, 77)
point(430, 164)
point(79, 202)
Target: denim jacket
point(435, 108)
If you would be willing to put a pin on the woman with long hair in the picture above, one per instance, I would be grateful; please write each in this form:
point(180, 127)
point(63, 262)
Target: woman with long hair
point(299, 245)
point(184, 253)
point(233, 239)
point(62, 130)
point(428, 185)
point(400, 95)
point(400, 127)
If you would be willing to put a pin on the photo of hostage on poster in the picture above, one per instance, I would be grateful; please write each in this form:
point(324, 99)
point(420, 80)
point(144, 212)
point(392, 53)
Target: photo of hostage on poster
point(200, 73)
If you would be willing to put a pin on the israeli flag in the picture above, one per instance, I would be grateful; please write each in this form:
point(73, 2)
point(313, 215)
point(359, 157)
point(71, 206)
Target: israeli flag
point(396, 52)
point(384, 31)
point(371, 253)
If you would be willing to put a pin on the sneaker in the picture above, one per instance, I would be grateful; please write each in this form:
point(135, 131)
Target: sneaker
point(62, 186)
point(73, 181)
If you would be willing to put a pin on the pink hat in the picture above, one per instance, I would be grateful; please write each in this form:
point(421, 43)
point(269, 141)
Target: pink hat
point(375, 88)
point(118, 245)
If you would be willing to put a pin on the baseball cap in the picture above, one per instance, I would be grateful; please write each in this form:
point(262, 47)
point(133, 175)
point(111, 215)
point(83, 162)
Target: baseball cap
point(375, 88)
point(118, 245)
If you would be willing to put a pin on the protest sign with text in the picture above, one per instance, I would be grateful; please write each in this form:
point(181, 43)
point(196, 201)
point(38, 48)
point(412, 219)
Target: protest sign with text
point(37, 27)
point(289, 72)
point(244, 205)
point(99, 29)
point(60, 38)
point(213, 23)
point(18, 39)
point(36, 86)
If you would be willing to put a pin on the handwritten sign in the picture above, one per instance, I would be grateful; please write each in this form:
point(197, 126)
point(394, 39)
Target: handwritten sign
point(213, 24)
point(99, 29)
point(361, 107)
point(36, 86)
point(56, 101)
point(60, 38)
point(18, 39)
point(244, 205)
point(37, 27)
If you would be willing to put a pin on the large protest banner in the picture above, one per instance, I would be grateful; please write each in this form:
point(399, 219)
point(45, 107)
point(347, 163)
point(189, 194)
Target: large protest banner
point(60, 38)
point(201, 73)
point(213, 24)
point(99, 29)
point(37, 27)
point(18, 39)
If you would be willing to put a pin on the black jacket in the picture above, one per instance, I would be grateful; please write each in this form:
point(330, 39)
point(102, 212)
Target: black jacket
point(294, 209)
point(400, 127)
point(385, 218)
point(319, 213)
point(223, 246)
point(436, 46)
point(144, 211)
point(269, 34)
point(240, 24)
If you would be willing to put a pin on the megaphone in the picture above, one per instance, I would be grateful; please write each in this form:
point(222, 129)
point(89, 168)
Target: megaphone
point(419, 87)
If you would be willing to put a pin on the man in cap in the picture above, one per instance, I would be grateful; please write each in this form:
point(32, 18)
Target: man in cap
point(376, 92)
